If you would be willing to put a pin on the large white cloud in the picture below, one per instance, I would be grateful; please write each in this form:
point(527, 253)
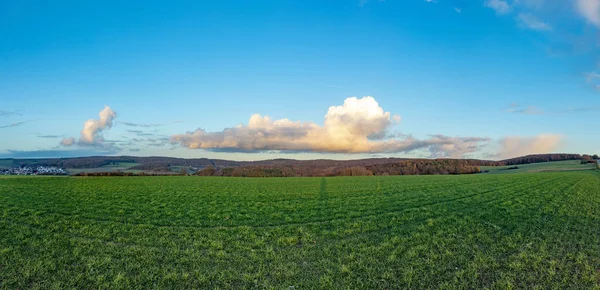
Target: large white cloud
point(590, 10)
point(515, 146)
point(357, 126)
point(91, 135)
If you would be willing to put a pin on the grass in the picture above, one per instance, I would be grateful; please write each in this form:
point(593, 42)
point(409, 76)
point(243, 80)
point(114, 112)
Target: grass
point(540, 167)
point(118, 166)
point(536, 230)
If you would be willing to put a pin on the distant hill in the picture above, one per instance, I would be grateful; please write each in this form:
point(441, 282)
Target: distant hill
point(277, 167)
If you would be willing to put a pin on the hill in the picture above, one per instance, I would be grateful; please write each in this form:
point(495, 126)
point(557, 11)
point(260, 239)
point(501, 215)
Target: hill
point(280, 167)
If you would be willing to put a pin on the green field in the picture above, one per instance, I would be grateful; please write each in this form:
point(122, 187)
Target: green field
point(118, 166)
point(568, 165)
point(539, 230)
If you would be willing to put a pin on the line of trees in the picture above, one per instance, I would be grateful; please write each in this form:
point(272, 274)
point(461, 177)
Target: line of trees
point(408, 167)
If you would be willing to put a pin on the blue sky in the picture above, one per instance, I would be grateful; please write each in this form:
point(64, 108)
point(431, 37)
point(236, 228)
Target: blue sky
point(482, 79)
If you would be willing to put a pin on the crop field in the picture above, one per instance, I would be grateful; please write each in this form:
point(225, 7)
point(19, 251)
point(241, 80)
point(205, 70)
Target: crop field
point(531, 230)
point(541, 167)
point(120, 166)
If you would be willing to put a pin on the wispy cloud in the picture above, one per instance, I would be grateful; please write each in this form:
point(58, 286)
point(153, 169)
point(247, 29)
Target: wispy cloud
point(130, 124)
point(141, 133)
point(529, 110)
point(529, 21)
point(17, 124)
point(500, 6)
point(54, 153)
point(532, 110)
point(49, 136)
point(518, 146)
point(582, 109)
point(8, 113)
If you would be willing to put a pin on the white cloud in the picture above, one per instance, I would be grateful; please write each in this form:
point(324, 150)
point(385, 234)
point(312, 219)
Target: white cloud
point(590, 10)
point(357, 126)
point(500, 6)
point(592, 76)
point(530, 110)
point(518, 146)
point(529, 21)
point(91, 135)
point(70, 141)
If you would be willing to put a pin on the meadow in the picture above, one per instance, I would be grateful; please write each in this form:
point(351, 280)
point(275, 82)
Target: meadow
point(498, 231)
point(567, 165)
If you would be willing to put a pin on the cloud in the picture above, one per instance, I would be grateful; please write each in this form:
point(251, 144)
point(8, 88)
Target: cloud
point(593, 78)
point(141, 133)
point(17, 124)
point(530, 110)
point(49, 136)
point(431, 1)
point(590, 10)
point(519, 146)
point(56, 153)
point(70, 141)
point(529, 21)
point(455, 147)
point(583, 109)
point(500, 6)
point(458, 10)
point(357, 126)
point(140, 125)
point(91, 135)
point(8, 113)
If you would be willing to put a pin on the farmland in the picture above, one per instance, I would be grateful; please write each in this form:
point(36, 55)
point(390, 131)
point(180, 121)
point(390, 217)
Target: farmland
point(468, 231)
point(540, 167)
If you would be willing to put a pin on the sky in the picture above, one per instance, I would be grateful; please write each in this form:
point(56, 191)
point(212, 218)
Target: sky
point(302, 79)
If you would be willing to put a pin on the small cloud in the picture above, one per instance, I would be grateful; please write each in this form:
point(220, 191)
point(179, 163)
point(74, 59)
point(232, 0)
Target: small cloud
point(583, 109)
point(530, 110)
point(518, 146)
point(458, 10)
point(9, 113)
point(141, 133)
point(130, 124)
point(431, 1)
point(529, 21)
point(593, 78)
point(55, 153)
point(70, 141)
point(500, 6)
point(178, 121)
point(91, 135)
point(17, 124)
point(49, 136)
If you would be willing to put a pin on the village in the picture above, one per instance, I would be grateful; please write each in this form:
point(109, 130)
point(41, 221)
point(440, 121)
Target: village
point(38, 170)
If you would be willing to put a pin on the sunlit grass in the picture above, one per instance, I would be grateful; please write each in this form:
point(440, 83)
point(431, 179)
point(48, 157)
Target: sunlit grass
point(477, 231)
